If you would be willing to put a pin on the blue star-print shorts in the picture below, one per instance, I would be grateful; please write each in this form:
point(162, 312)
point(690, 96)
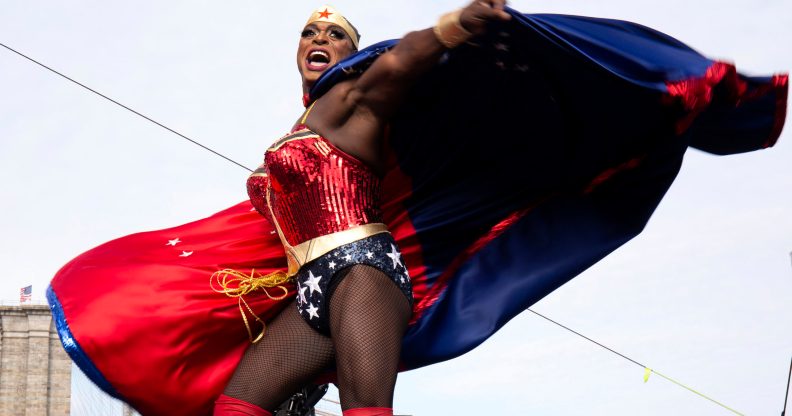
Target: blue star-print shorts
point(314, 278)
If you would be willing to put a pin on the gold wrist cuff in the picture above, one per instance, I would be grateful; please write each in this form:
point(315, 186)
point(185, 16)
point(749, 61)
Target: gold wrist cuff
point(449, 30)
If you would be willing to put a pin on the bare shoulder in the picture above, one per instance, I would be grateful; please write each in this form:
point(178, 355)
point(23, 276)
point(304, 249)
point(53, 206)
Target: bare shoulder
point(337, 117)
point(331, 111)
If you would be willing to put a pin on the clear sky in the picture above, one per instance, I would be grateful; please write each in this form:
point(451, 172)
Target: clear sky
point(703, 295)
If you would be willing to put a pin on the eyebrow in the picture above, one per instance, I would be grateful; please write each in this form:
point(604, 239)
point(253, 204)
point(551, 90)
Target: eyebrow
point(329, 27)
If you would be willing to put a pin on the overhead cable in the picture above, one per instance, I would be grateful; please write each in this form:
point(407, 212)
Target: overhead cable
point(646, 369)
point(125, 107)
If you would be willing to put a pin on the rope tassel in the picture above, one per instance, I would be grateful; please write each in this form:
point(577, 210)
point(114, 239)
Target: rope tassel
point(235, 284)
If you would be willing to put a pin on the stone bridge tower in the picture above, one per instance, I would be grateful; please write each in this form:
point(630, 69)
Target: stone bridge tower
point(35, 371)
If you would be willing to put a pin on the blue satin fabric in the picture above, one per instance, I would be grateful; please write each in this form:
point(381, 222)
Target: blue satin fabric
point(563, 125)
point(530, 115)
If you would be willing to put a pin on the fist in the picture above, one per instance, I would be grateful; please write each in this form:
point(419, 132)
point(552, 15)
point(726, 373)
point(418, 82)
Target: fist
point(478, 14)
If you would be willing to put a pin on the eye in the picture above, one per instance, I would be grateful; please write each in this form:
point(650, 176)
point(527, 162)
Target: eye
point(307, 33)
point(337, 34)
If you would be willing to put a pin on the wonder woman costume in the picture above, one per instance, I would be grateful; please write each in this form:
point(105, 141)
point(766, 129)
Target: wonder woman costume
point(324, 205)
point(559, 137)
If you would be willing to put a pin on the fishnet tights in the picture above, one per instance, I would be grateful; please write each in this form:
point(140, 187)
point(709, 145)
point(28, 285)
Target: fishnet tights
point(289, 356)
point(368, 317)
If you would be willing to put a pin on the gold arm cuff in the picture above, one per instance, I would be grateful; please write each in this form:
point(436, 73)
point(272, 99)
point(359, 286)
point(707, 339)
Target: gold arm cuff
point(312, 249)
point(449, 30)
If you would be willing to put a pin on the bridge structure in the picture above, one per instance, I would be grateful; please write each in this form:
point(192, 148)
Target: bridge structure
point(35, 371)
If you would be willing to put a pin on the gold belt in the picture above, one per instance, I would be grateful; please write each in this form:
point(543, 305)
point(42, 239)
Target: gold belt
point(314, 248)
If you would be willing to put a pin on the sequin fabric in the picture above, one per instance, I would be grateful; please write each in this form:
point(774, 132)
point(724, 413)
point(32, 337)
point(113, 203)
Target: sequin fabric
point(316, 277)
point(314, 188)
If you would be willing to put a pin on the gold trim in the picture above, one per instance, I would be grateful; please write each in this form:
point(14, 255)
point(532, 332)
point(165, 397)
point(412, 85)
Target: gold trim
point(316, 247)
point(285, 243)
point(298, 135)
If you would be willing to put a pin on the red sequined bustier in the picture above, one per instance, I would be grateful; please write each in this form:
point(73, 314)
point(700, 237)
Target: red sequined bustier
point(309, 188)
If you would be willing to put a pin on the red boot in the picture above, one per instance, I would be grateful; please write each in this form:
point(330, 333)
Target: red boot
point(369, 411)
point(229, 406)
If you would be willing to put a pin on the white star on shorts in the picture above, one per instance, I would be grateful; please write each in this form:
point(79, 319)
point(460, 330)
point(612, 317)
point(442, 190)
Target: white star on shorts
point(313, 282)
point(301, 299)
point(312, 311)
point(395, 256)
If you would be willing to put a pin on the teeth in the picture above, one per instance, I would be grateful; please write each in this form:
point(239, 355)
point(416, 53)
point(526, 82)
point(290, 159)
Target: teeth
point(319, 53)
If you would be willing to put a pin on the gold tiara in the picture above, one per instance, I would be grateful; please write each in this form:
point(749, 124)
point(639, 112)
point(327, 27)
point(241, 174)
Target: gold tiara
point(328, 14)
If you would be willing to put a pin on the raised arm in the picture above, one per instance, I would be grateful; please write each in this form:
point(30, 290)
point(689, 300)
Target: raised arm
point(382, 88)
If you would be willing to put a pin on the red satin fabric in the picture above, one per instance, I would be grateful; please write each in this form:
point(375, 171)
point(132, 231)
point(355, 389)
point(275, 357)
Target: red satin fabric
point(154, 325)
point(141, 309)
point(229, 406)
point(369, 411)
point(780, 84)
point(696, 94)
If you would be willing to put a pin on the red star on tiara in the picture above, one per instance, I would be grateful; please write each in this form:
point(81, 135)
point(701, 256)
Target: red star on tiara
point(325, 14)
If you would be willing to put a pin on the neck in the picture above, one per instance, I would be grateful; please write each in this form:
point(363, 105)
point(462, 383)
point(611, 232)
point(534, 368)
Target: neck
point(306, 86)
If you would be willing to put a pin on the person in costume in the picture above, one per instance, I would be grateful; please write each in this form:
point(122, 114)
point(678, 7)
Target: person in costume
point(514, 162)
point(320, 187)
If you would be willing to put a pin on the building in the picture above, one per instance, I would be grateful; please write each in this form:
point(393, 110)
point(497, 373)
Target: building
point(35, 371)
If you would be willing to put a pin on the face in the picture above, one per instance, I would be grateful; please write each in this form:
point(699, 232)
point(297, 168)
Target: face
point(322, 45)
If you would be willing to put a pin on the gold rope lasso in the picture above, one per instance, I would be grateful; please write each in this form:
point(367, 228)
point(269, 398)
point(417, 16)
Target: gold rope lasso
point(235, 284)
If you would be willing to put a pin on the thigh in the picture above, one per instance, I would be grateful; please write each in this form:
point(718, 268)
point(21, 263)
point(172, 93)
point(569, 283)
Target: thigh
point(368, 317)
point(290, 355)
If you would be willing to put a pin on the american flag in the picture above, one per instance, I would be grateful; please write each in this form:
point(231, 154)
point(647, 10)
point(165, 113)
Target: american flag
point(25, 294)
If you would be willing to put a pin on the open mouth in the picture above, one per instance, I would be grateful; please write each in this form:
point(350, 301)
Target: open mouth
point(317, 60)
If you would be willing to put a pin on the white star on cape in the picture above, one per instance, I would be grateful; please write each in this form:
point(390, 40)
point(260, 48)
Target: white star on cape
point(173, 242)
point(301, 297)
point(348, 257)
point(312, 311)
point(313, 282)
point(395, 257)
point(186, 254)
point(332, 265)
point(369, 254)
